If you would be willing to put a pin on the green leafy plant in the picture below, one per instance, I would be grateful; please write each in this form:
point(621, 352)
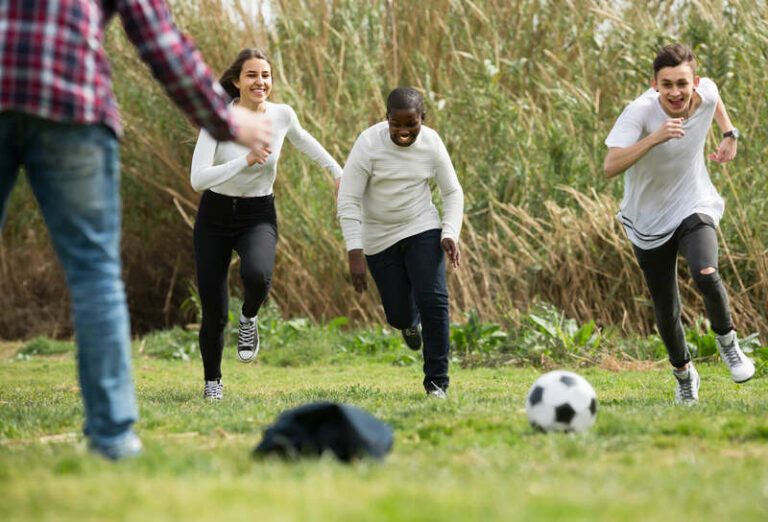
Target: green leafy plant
point(45, 346)
point(175, 344)
point(476, 336)
point(548, 334)
point(374, 341)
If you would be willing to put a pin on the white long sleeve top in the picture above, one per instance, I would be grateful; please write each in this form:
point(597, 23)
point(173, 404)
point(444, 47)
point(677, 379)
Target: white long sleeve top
point(222, 165)
point(385, 196)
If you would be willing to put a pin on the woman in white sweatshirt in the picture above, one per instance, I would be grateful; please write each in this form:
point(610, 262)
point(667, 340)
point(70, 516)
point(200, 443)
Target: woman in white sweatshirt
point(237, 212)
point(386, 211)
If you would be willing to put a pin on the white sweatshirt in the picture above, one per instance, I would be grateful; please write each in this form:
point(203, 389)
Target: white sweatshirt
point(222, 166)
point(385, 195)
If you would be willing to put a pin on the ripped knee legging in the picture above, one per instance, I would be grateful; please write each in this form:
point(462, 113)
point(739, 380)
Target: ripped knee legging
point(696, 240)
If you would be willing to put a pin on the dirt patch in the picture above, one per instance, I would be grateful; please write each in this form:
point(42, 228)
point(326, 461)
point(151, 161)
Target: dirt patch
point(8, 349)
point(615, 364)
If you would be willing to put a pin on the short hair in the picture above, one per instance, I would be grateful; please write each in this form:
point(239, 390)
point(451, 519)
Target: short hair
point(405, 98)
point(673, 55)
point(233, 71)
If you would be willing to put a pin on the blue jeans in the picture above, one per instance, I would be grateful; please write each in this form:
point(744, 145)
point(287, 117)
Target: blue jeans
point(74, 173)
point(410, 276)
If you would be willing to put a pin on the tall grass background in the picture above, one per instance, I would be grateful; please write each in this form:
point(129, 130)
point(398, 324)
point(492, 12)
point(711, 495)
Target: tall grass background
point(523, 93)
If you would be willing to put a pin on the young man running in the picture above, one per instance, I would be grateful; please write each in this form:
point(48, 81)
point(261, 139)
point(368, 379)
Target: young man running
point(670, 205)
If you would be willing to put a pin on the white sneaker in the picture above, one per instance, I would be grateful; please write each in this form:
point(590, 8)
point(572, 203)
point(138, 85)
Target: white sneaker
point(688, 382)
point(213, 390)
point(741, 367)
point(128, 447)
point(248, 339)
point(437, 392)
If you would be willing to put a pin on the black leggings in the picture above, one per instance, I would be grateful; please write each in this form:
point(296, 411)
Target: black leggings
point(696, 240)
point(224, 224)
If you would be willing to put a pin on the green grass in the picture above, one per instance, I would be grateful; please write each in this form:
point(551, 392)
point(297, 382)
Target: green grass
point(471, 457)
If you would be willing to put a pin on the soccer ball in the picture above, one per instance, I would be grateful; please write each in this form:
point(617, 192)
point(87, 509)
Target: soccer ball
point(561, 401)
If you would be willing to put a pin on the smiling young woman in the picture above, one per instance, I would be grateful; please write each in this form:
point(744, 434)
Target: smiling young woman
point(670, 205)
point(237, 212)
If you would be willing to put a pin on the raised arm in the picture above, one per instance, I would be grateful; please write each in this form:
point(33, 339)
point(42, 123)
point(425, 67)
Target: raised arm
point(620, 159)
point(307, 144)
point(204, 173)
point(726, 151)
point(178, 66)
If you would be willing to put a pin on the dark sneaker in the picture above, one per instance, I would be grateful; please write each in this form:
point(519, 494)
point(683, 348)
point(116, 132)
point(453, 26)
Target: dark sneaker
point(127, 447)
point(213, 390)
point(248, 339)
point(741, 367)
point(412, 337)
point(688, 382)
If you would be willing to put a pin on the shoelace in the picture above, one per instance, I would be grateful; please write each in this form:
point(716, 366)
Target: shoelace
point(246, 334)
point(212, 389)
point(686, 389)
point(732, 355)
point(437, 391)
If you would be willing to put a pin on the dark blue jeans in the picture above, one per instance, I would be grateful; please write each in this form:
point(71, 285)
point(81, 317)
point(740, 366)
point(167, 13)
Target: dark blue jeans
point(74, 173)
point(410, 276)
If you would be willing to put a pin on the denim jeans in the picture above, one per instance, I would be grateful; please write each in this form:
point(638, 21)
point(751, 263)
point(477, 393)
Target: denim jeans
point(410, 276)
point(73, 171)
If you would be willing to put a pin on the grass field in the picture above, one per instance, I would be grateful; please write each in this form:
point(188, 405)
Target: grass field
point(471, 457)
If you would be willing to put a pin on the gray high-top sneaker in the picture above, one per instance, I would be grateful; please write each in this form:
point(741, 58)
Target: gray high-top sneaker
point(213, 390)
point(741, 367)
point(688, 382)
point(248, 338)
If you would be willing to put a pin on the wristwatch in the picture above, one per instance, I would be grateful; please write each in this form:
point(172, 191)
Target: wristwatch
point(733, 133)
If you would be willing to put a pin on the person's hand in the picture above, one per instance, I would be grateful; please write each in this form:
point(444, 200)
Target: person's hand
point(725, 152)
point(254, 130)
point(357, 270)
point(336, 185)
point(671, 128)
point(452, 249)
point(258, 155)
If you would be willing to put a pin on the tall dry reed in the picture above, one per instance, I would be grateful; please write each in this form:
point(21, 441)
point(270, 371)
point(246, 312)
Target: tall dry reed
point(523, 93)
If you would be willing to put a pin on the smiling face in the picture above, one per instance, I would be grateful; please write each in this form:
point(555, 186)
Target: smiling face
point(254, 83)
point(404, 126)
point(675, 86)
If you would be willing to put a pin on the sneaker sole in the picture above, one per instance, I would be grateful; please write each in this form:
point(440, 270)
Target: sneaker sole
point(745, 380)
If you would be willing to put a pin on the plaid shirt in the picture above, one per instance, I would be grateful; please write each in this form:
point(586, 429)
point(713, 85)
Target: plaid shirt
point(52, 63)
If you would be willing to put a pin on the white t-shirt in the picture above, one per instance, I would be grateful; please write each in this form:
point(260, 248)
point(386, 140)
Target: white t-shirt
point(385, 195)
point(670, 182)
point(222, 166)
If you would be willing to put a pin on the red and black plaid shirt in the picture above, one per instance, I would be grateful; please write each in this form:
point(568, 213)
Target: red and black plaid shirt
point(52, 63)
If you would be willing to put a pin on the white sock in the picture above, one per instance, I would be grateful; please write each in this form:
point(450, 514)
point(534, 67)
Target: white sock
point(244, 319)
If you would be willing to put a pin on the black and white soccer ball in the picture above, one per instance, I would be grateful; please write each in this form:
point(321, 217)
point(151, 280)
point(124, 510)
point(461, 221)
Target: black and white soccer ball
point(561, 401)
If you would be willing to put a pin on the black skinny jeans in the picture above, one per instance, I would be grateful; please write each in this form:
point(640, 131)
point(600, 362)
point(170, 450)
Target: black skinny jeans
point(224, 224)
point(696, 240)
